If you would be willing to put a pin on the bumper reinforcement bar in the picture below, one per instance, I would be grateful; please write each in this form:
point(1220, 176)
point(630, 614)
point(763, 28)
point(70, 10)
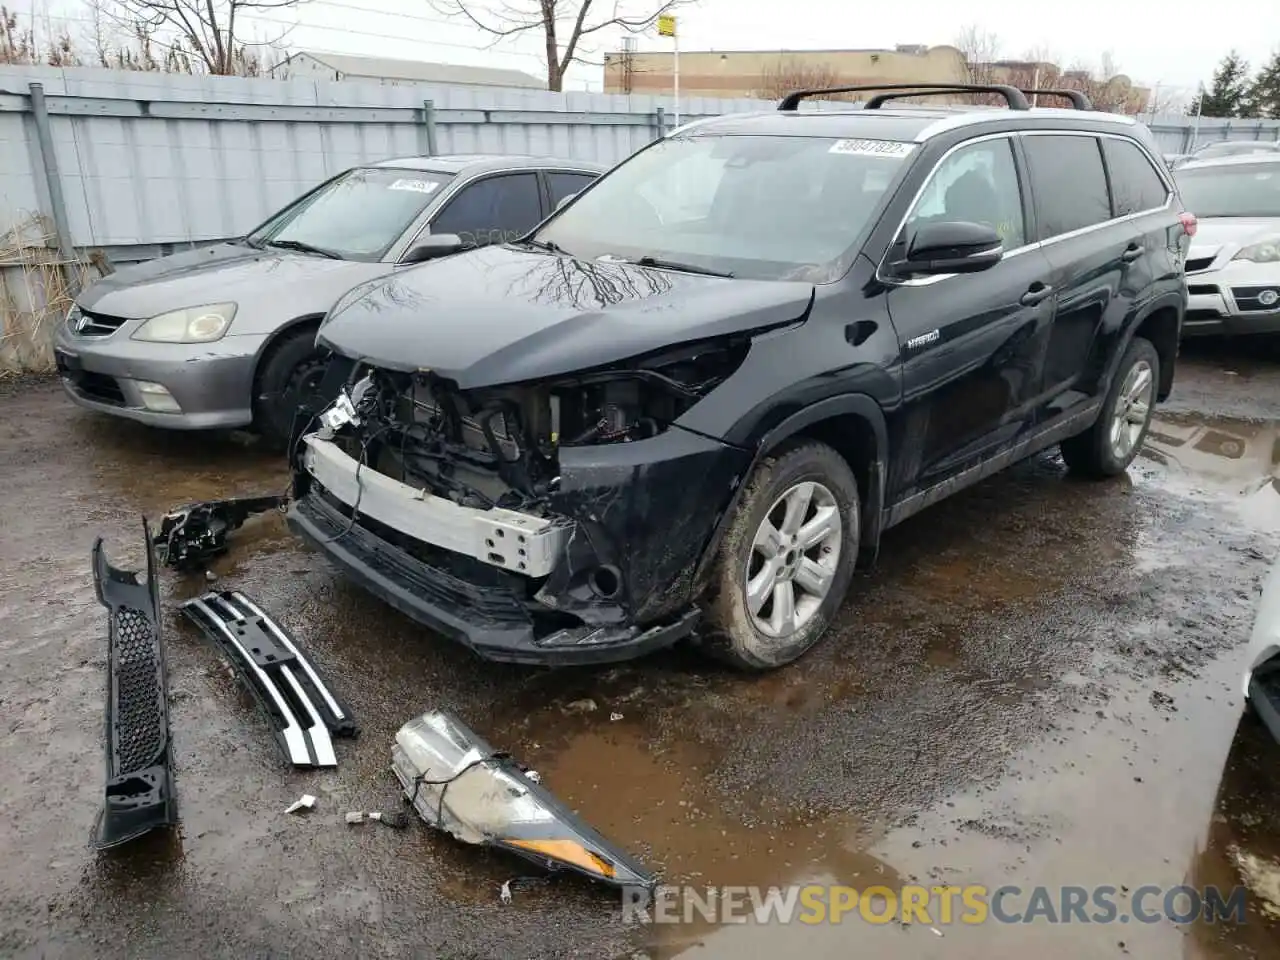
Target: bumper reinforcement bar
point(287, 686)
point(139, 792)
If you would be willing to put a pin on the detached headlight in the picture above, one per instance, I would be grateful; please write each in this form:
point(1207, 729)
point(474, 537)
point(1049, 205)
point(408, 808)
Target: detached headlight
point(192, 325)
point(457, 783)
point(1267, 251)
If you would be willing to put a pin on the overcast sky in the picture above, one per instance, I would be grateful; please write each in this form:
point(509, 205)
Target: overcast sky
point(1172, 42)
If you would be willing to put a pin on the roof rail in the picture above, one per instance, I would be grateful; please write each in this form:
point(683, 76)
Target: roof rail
point(1012, 95)
point(1078, 100)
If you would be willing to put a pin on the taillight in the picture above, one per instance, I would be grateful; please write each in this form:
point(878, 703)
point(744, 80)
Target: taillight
point(1188, 221)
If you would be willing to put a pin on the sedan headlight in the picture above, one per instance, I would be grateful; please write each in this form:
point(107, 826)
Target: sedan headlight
point(1265, 251)
point(192, 325)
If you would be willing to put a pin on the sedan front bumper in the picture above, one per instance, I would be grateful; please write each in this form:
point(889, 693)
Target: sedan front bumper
point(1235, 297)
point(211, 383)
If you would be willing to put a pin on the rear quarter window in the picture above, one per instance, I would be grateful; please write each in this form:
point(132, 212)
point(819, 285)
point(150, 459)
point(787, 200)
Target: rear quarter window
point(1135, 185)
point(1068, 181)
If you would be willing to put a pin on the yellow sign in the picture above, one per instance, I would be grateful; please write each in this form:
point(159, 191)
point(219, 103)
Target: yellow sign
point(666, 25)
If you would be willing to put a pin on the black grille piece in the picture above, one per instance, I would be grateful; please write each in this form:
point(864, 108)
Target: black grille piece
point(1202, 289)
point(1199, 263)
point(96, 386)
point(139, 791)
point(97, 324)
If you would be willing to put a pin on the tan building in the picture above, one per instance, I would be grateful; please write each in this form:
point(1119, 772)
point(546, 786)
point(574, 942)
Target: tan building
point(768, 74)
point(765, 73)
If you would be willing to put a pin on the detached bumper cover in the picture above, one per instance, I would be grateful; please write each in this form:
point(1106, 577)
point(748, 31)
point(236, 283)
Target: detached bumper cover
point(139, 792)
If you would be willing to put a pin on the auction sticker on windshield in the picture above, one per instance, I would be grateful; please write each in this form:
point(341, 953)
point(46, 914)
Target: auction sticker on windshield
point(889, 149)
point(417, 186)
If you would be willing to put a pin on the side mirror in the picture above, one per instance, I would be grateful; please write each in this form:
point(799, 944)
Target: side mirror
point(951, 247)
point(566, 198)
point(432, 247)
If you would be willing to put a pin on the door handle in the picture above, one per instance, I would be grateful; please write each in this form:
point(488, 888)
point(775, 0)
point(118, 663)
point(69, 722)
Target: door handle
point(1133, 252)
point(1038, 293)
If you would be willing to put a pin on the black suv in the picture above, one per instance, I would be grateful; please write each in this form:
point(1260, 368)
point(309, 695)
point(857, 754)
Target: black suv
point(693, 398)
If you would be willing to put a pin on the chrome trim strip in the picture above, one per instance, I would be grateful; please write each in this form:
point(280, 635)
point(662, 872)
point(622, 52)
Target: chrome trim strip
point(318, 732)
point(289, 645)
point(292, 732)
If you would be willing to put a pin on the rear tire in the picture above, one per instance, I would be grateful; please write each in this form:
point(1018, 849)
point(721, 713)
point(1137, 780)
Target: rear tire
point(786, 561)
point(1108, 447)
point(287, 377)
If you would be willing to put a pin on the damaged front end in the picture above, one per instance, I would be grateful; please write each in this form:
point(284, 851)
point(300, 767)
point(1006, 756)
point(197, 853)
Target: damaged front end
point(553, 521)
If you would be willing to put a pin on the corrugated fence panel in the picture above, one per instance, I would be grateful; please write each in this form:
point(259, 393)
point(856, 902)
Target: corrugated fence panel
point(147, 158)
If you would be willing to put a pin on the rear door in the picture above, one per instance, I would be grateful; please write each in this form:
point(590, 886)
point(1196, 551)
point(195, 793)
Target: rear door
point(972, 344)
point(493, 209)
point(1092, 254)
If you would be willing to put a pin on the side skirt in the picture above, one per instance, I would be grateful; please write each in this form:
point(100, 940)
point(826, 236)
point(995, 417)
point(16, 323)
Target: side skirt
point(1034, 442)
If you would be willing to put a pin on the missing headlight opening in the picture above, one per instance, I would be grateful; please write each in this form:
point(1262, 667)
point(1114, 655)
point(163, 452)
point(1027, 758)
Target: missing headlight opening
point(497, 446)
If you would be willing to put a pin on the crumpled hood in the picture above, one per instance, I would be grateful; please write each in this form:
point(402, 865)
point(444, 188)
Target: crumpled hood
point(501, 315)
point(225, 272)
point(1214, 233)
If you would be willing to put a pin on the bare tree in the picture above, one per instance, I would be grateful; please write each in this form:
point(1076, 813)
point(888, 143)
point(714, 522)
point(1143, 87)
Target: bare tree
point(979, 50)
point(791, 73)
point(206, 30)
point(563, 24)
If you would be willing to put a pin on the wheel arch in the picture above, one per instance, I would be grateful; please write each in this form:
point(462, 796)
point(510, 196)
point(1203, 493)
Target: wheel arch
point(1160, 322)
point(851, 424)
point(273, 342)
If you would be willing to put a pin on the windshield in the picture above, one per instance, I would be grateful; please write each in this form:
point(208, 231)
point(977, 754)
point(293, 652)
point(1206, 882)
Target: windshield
point(357, 216)
point(1246, 190)
point(760, 207)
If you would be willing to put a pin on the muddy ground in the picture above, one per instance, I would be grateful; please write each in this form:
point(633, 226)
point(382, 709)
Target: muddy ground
point(1038, 685)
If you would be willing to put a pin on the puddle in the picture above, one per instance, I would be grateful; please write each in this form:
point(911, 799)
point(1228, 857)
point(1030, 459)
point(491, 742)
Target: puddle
point(1205, 456)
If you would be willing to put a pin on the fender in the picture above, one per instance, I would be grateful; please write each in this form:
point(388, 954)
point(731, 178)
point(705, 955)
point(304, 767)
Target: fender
point(872, 514)
point(1173, 299)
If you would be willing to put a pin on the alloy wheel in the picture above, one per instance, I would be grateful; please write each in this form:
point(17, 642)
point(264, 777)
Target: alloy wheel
point(1133, 408)
point(794, 556)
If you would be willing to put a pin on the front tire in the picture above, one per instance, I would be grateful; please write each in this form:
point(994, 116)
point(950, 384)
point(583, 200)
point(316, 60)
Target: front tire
point(1108, 447)
point(288, 377)
point(786, 561)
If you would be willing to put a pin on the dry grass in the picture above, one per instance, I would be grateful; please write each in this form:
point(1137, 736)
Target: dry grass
point(35, 294)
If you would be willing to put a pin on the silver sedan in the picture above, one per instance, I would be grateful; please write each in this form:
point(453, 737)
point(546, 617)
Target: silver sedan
point(224, 336)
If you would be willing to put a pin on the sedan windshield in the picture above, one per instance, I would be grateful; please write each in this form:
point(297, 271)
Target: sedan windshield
point(761, 207)
point(1238, 190)
point(357, 216)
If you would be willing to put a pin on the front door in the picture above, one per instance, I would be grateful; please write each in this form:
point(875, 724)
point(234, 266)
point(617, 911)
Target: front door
point(972, 345)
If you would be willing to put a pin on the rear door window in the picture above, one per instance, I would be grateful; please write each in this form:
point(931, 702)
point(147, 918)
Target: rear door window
point(1135, 185)
point(493, 210)
point(566, 185)
point(1068, 182)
